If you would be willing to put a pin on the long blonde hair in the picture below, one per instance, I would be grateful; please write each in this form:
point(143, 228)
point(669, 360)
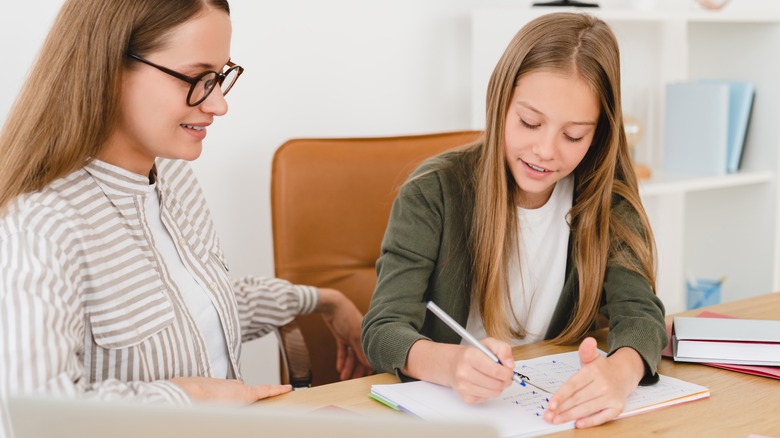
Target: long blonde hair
point(68, 106)
point(581, 45)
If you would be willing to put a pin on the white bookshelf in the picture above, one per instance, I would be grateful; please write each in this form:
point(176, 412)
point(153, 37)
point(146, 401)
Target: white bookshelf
point(710, 226)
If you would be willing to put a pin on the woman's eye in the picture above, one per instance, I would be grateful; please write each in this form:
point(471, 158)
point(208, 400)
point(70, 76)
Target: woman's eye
point(528, 125)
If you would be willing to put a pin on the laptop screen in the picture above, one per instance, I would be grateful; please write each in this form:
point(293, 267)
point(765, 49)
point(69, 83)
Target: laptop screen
point(34, 417)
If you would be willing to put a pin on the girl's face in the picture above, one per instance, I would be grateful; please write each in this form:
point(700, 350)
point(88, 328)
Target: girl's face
point(549, 127)
point(155, 120)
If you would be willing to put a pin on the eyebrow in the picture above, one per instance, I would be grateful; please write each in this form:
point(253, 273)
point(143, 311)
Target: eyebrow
point(531, 107)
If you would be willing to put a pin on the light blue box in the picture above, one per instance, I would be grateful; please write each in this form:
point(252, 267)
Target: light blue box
point(703, 292)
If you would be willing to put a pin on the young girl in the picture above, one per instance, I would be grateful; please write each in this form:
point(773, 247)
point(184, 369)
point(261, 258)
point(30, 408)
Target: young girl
point(112, 280)
point(529, 234)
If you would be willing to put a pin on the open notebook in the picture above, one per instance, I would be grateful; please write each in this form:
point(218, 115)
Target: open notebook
point(34, 417)
point(519, 410)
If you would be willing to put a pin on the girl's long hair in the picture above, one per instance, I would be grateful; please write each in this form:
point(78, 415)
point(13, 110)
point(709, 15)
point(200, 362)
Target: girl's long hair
point(69, 104)
point(582, 46)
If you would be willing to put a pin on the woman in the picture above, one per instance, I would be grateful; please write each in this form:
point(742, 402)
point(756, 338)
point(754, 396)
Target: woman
point(112, 280)
point(528, 234)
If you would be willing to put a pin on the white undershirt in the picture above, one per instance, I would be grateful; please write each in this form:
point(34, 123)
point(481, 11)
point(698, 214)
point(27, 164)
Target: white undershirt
point(543, 239)
point(195, 297)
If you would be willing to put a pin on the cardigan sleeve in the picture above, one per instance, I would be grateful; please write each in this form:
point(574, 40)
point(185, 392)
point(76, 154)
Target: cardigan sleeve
point(634, 311)
point(636, 317)
point(409, 251)
point(266, 303)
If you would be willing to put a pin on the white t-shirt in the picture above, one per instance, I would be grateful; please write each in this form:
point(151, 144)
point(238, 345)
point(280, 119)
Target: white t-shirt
point(195, 297)
point(534, 288)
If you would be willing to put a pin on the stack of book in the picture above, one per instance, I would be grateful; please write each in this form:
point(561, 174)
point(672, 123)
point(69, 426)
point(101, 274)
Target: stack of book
point(726, 341)
point(706, 124)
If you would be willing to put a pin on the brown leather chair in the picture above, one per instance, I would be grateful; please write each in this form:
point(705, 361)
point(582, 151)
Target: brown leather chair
point(330, 201)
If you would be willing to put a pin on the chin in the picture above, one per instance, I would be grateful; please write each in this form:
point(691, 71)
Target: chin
point(189, 154)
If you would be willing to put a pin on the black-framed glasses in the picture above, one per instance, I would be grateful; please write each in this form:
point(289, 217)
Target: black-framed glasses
point(203, 84)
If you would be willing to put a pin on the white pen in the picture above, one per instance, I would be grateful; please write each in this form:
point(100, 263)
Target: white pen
point(447, 319)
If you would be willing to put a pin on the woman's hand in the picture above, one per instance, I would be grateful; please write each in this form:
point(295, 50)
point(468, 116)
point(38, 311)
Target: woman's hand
point(343, 319)
point(597, 393)
point(227, 390)
point(469, 372)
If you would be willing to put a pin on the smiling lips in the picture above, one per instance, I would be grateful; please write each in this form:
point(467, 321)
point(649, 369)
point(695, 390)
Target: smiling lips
point(197, 128)
point(536, 168)
point(197, 131)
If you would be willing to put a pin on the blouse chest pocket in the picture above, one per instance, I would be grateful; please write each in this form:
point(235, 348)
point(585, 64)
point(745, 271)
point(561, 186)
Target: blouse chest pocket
point(131, 317)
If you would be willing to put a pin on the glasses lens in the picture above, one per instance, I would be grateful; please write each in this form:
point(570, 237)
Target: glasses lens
point(202, 89)
point(230, 78)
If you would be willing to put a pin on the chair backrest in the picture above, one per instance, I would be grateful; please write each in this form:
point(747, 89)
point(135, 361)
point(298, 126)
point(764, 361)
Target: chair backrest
point(330, 202)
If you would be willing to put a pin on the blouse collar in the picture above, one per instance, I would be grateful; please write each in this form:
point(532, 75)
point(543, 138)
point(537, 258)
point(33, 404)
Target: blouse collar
point(116, 181)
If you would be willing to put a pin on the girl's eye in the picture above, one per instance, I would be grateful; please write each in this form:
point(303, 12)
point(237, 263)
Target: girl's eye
point(528, 125)
point(572, 139)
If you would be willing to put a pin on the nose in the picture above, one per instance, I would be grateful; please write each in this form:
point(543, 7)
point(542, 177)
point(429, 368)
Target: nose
point(546, 147)
point(215, 103)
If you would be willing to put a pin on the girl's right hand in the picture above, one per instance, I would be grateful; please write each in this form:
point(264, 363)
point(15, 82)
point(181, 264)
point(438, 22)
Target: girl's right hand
point(469, 372)
point(227, 390)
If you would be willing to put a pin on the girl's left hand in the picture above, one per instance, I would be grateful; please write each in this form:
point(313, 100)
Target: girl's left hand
point(597, 393)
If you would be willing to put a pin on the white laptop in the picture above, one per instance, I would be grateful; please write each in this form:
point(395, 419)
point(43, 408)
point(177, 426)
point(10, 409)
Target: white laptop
point(37, 417)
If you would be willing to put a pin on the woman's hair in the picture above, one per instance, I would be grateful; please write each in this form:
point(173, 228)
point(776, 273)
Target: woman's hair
point(69, 104)
point(581, 46)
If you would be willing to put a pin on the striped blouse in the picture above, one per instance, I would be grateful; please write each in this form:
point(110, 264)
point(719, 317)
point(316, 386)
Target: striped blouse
point(87, 305)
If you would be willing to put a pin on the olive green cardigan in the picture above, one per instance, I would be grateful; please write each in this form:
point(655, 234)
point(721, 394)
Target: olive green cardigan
point(425, 257)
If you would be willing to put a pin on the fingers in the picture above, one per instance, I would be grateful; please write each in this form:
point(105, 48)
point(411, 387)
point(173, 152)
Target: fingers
point(363, 371)
point(227, 390)
point(587, 351)
point(591, 412)
point(592, 396)
point(341, 354)
point(575, 390)
point(477, 377)
point(350, 361)
point(260, 392)
point(473, 393)
point(357, 348)
point(570, 400)
point(502, 350)
point(473, 386)
point(343, 319)
point(598, 418)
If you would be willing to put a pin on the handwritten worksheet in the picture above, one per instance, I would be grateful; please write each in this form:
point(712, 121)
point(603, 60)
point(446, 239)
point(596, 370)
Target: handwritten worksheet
point(519, 410)
point(548, 373)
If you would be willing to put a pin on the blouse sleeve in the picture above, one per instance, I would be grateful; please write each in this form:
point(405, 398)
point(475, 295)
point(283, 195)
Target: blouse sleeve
point(266, 303)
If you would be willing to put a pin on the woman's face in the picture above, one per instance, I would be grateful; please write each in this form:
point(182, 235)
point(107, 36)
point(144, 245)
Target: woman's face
point(549, 127)
point(155, 120)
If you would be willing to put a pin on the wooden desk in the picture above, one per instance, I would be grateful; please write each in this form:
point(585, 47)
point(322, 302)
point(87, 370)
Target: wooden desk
point(740, 404)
